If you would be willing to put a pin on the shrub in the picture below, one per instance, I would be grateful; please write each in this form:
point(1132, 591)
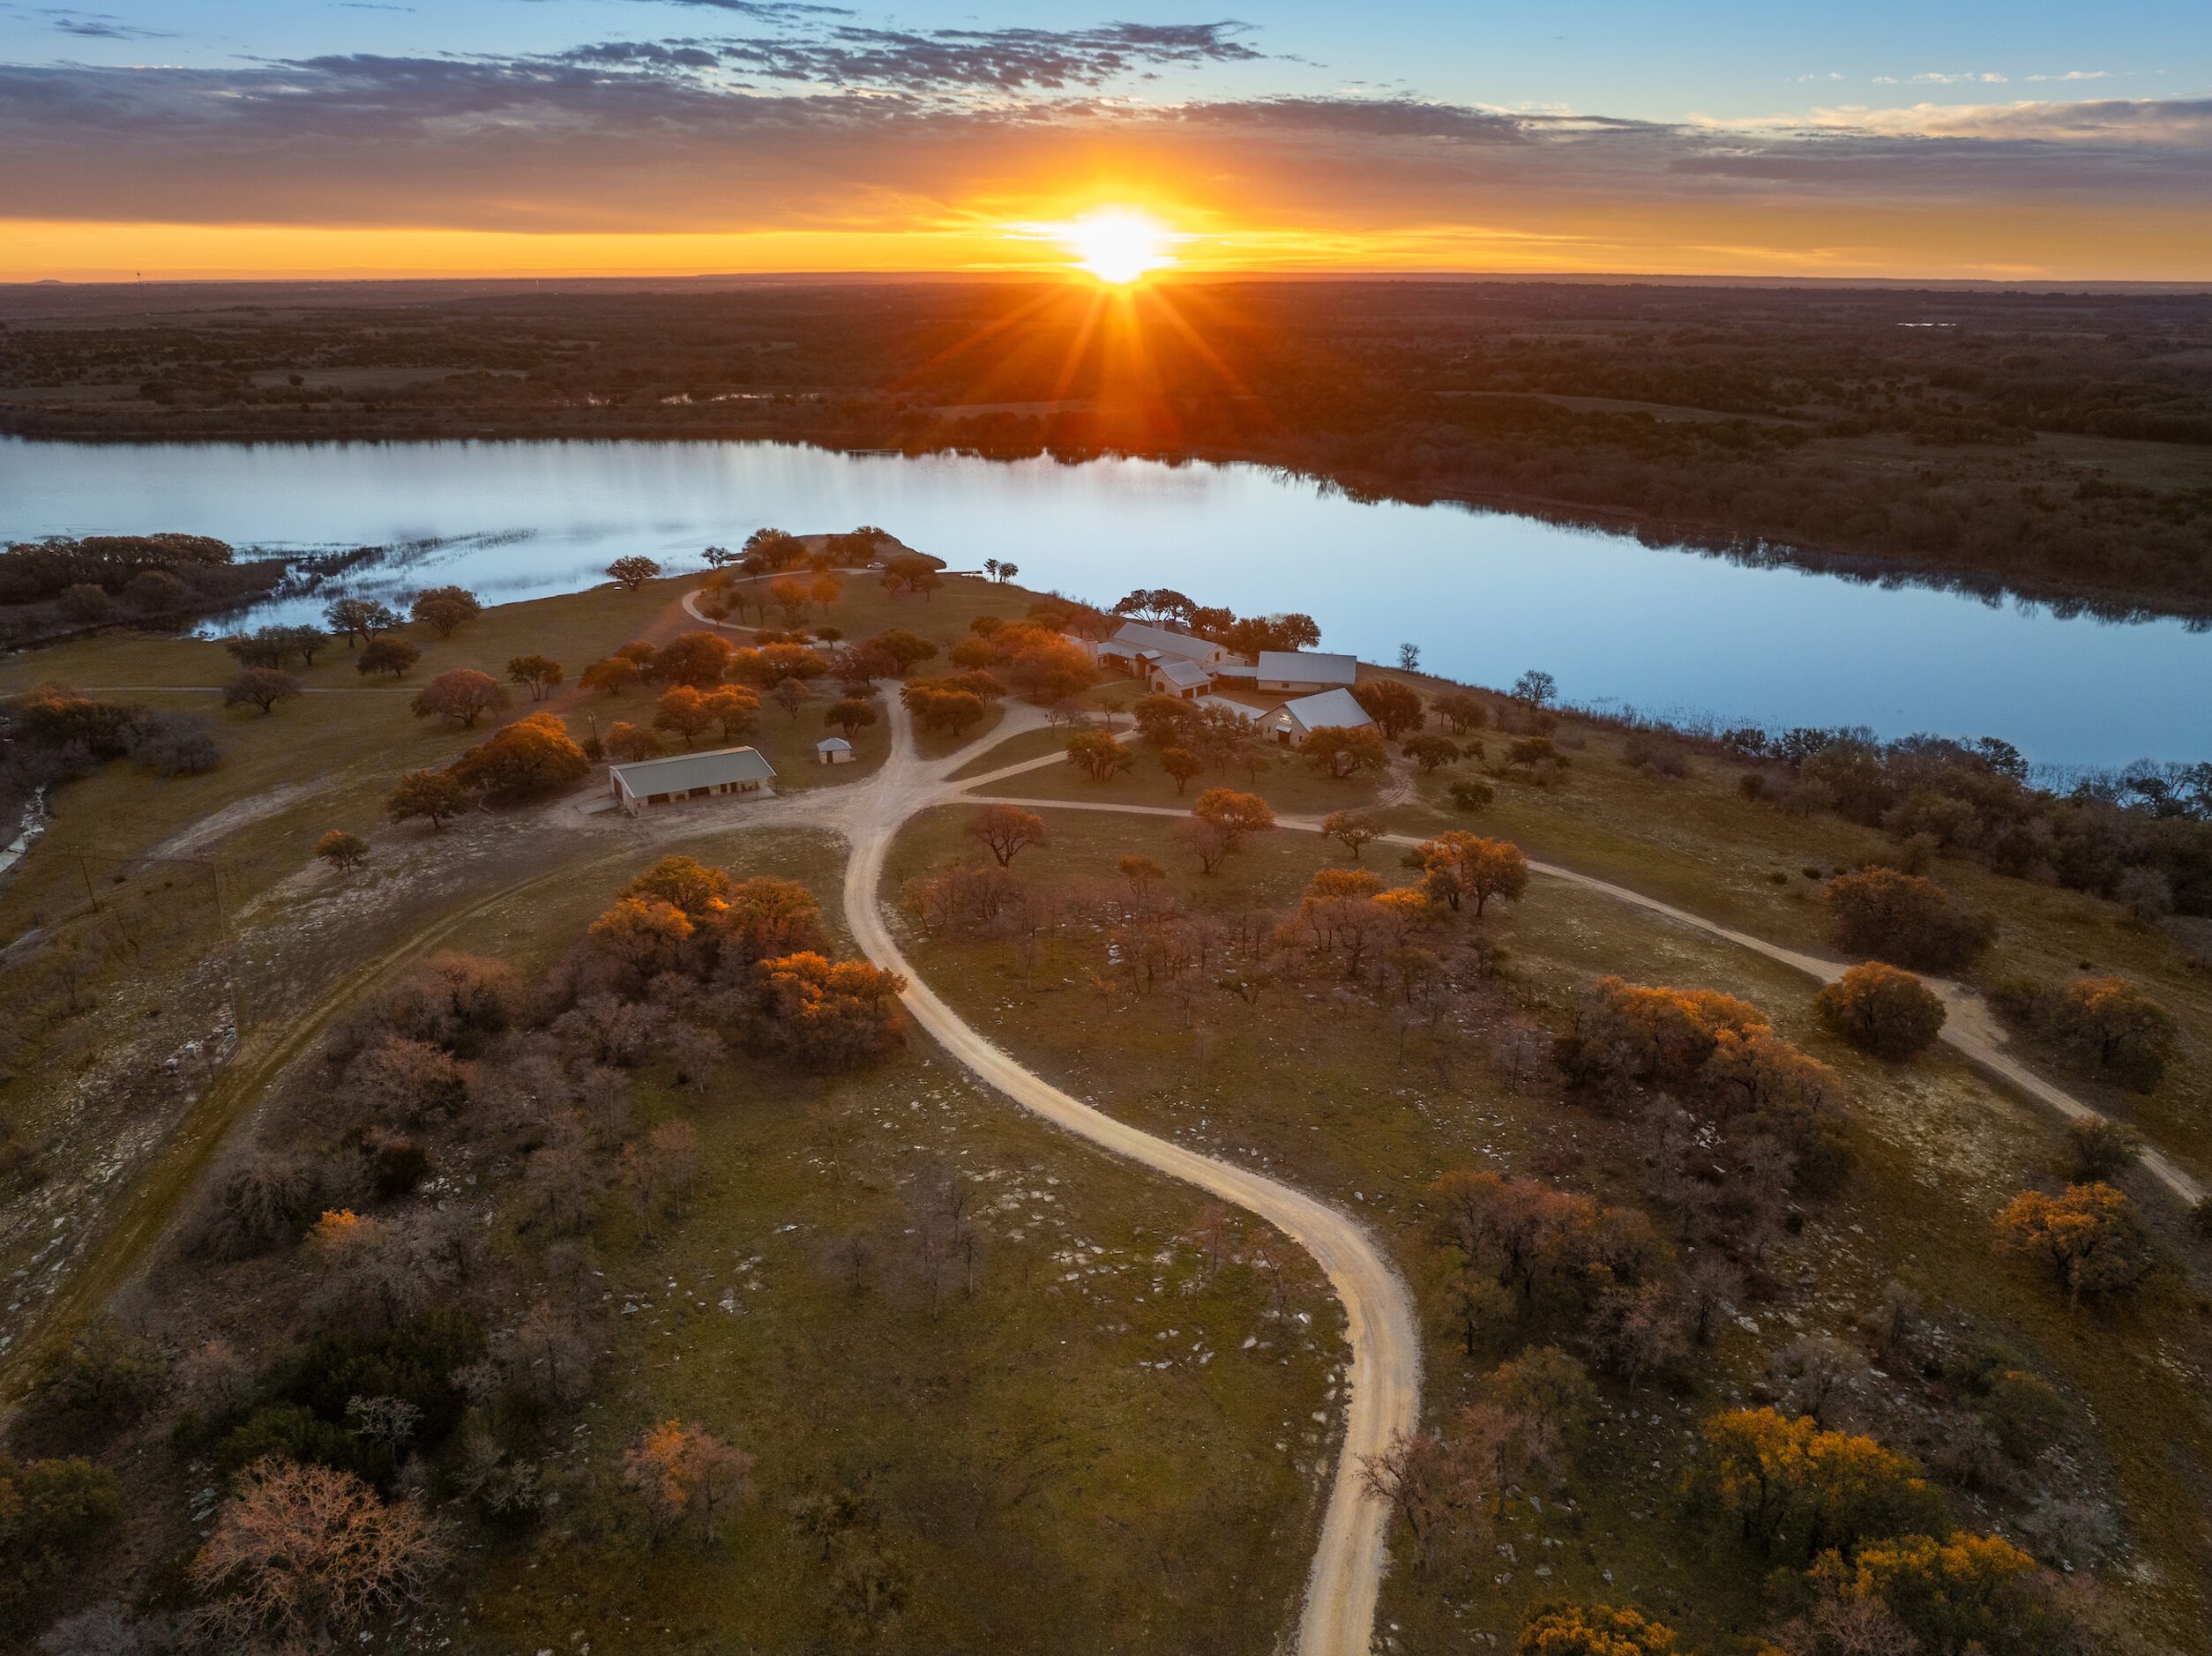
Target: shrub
point(2102, 1149)
point(1594, 1630)
point(91, 1382)
point(51, 1514)
point(1472, 796)
point(1968, 1592)
point(414, 1361)
point(257, 1202)
point(85, 605)
point(1643, 751)
point(2110, 1027)
point(1792, 1490)
point(1905, 920)
point(830, 1015)
point(2089, 1238)
point(1628, 1032)
point(55, 716)
point(1881, 1010)
point(172, 744)
point(2022, 1412)
point(394, 658)
point(288, 1433)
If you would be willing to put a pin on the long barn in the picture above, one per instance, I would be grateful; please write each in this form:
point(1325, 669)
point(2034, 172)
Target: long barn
point(688, 776)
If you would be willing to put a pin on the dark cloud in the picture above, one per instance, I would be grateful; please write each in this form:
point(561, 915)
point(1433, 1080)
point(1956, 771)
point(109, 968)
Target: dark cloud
point(954, 61)
point(644, 135)
point(1364, 118)
point(766, 11)
point(653, 54)
point(98, 26)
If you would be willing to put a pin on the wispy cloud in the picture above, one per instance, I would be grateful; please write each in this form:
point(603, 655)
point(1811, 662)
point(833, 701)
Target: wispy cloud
point(941, 61)
point(97, 25)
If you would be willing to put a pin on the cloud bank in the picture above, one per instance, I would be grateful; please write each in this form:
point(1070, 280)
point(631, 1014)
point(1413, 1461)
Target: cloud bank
point(811, 123)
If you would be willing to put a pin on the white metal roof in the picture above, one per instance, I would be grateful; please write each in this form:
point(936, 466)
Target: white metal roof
point(1336, 708)
point(1183, 674)
point(832, 744)
point(1222, 704)
point(682, 773)
point(1307, 666)
point(1135, 635)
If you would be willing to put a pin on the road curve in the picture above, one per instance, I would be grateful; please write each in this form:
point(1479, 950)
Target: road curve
point(1968, 1027)
point(1383, 1381)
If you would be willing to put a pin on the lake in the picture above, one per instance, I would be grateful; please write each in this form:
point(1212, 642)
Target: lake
point(1484, 594)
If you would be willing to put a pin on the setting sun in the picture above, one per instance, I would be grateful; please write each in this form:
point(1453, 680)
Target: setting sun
point(1117, 246)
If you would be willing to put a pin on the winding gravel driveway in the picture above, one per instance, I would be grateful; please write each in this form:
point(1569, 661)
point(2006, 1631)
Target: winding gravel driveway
point(1383, 1381)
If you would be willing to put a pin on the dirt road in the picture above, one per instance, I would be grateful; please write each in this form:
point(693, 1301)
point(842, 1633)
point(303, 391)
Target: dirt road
point(1384, 1375)
point(1970, 1028)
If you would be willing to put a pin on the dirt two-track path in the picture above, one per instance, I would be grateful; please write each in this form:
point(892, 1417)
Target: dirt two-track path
point(1383, 1390)
point(1384, 1374)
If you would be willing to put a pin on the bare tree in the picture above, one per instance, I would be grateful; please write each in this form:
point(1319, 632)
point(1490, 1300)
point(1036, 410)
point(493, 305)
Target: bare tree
point(300, 1553)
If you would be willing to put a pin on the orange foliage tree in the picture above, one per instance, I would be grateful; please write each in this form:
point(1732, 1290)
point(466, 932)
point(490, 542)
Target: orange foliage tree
point(529, 759)
point(2089, 1238)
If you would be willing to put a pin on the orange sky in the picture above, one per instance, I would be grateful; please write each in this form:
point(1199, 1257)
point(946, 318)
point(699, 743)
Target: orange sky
point(361, 167)
point(2123, 242)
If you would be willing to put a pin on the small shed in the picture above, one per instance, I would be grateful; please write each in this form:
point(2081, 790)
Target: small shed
point(688, 776)
point(1186, 680)
point(833, 750)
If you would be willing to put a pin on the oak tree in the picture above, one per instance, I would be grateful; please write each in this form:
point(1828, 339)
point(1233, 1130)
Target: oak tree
point(1006, 831)
point(460, 697)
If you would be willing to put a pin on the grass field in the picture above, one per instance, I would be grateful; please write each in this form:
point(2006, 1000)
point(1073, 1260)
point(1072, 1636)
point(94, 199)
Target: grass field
point(1091, 1430)
point(162, 901)
point(1349, 1105)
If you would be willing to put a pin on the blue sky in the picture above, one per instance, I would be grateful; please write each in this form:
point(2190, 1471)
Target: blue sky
point(1710, 58)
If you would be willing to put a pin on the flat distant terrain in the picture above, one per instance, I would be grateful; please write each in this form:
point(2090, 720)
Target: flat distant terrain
point(2058, 443)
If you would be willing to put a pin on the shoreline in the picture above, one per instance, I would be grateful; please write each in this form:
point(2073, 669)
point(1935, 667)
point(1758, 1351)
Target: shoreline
point(2122, 606)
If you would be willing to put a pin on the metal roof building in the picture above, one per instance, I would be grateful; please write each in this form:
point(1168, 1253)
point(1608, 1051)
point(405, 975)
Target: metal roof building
point(1292, 722)
point(688, 776)
point(1305, 669)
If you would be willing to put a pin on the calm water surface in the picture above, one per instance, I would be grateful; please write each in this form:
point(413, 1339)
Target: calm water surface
point(1484, 594)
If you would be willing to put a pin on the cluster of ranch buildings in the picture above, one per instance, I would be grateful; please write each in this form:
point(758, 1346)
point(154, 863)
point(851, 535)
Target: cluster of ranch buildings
point(1318, 689)
point(1319, 686)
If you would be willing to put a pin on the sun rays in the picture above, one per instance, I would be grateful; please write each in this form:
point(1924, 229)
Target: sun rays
point(1117, 245)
